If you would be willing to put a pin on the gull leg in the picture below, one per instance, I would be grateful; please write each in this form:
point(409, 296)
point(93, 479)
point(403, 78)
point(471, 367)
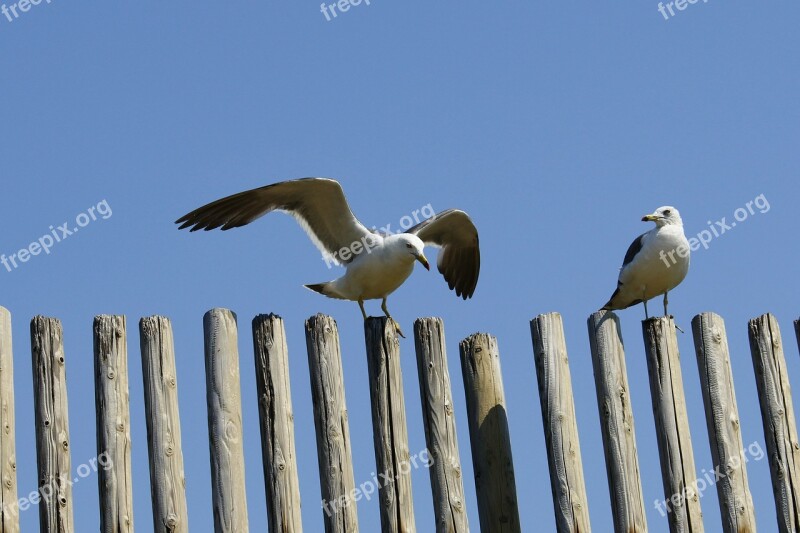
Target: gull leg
point(666, 301)
point(361, 305)
point(396, 325)
point(646, 315)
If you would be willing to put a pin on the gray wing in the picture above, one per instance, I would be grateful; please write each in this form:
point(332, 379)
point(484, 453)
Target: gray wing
point(318, 205)
point(633, 249)
point(460, 256)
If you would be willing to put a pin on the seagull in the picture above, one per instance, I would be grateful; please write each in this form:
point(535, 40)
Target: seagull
point(656, 262)
point(376, 263)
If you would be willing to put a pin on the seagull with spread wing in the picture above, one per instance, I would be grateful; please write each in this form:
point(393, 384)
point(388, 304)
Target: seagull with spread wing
point(376, 264)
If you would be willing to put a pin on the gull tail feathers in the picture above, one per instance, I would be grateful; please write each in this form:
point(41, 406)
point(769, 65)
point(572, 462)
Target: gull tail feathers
point(325, 289)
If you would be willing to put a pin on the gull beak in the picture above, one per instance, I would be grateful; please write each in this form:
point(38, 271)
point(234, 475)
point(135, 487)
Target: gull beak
point(422, 259)
point(650, 218)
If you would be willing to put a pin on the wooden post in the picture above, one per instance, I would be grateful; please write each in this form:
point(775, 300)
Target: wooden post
point(389, 429)
point(678, 472)
point(52, 426)
point(722, 419)
point(777, 414)
point(560, 425)
point(9, 513)
point(488, 430)
point(112, 400)
point(277, 424)
point(447, 483)
point(330, 421)
point(224, 399)
point(167, 480)
point(616, 423)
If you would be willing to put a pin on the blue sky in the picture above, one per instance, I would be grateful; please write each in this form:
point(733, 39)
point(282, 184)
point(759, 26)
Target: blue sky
point(556, 125)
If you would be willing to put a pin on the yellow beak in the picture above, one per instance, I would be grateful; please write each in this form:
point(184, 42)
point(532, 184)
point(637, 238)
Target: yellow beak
point(650, 218)
point(424, 260)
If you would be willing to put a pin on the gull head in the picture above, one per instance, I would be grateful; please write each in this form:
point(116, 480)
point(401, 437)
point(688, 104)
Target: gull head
point(411, 246)
point(664, 216)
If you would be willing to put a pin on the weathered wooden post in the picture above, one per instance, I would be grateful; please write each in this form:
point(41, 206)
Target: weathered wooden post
point(777, 414)
point(447, 483)
point(277, 424)
point(678, 472)
point(389, 429)
point(224, 398)
point(167, 480)
point(112, 400)
point(488, 430)
point(52, 426)
point(616, 423)
point(9, 513)
point(330, 421)
point(722, 419)
point(560, 425)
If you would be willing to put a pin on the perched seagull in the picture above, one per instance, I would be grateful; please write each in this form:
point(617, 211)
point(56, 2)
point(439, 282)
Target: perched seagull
point(656, 262)
point(376, 264)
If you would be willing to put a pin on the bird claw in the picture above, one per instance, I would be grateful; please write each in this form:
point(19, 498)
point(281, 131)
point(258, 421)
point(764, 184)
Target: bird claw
point(397, 327)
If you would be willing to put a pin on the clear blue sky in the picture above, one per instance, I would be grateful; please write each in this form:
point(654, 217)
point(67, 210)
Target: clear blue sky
point(556, 125)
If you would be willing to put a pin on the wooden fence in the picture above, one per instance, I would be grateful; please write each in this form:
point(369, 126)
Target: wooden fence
point(486, 418)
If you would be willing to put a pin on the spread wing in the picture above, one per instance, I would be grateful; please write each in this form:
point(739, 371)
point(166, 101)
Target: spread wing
point(318, 205)
point(460, 257)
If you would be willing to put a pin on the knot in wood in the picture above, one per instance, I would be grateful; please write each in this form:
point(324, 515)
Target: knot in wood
point(172, 521)
point(61, 360)
point(7, 482)
point(65, 444)
point(169, 450)
point(46, 422)
point(62, 501)
point(111, 374)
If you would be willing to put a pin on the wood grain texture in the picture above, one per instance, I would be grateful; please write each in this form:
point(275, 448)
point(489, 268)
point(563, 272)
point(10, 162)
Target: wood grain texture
point(277, 425)
point(616, 423)
point(389, 427)
point(492, 461)
point(678, 472)
point(52, 426)
point(112, 399)
point(777, 416)
point(330, 420)
point(560, 425)
point(9, 505)
point(225, 433)
point(722, 419)
point(447, 482)
point(167, 479)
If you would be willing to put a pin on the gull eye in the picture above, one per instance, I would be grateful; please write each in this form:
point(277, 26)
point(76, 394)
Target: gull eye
point(408, 245)
point(667, 212)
